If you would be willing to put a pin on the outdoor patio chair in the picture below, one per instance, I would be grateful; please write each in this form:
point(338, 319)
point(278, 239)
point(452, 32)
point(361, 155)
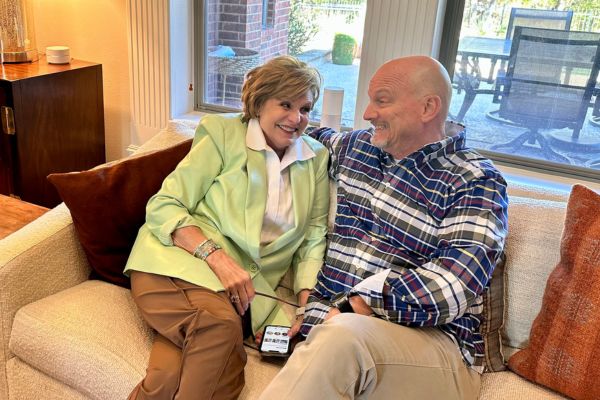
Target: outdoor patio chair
point(469, 76)
point(549, 83)
point(531, 18)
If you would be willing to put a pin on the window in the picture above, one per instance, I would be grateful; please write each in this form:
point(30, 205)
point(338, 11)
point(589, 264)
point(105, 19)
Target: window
point(233, 40)
point(240, 35)
point(268, 13)
point(526, 82)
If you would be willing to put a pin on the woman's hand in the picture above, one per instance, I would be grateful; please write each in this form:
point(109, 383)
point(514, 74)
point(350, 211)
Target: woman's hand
point(236, 280)
point(302, 300)
point(293, 331)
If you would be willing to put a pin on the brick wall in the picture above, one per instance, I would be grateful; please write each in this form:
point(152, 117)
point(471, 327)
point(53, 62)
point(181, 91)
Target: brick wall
point(239, 24)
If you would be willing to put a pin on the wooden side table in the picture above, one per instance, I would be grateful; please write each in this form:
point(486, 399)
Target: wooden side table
point(15, 214)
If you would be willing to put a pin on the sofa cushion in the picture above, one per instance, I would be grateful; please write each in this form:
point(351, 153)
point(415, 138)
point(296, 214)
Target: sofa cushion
point(492, 319)
point(564, 349)
point(90, 337)
point(510, 386)
point(108, 206)
point(26, 382)
point(532, 250)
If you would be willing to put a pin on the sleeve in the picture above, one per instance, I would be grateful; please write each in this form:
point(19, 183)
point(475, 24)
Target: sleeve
point(334, 144)
point(186, 186)
point(471, 240)
point(308, 259)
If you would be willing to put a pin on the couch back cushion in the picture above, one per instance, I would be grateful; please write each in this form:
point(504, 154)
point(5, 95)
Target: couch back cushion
point(532, 251)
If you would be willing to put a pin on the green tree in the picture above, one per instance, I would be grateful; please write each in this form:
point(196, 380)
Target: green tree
point(301, 28)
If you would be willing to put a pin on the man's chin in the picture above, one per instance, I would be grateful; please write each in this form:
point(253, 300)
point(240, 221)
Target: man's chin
point(377, 143)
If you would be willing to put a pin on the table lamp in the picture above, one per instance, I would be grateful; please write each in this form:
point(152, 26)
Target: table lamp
point(17, 32)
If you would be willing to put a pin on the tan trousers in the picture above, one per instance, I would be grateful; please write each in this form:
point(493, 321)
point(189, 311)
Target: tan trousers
point(198, 351)
point(353, 356)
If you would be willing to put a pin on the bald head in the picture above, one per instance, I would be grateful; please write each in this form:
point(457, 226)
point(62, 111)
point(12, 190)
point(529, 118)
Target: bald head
point(421, 75)
point(408, 104)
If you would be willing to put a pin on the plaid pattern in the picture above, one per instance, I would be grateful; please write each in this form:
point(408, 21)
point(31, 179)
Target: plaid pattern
point(437, 218)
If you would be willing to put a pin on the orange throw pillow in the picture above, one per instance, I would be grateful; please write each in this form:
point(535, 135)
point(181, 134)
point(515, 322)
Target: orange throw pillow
point(108, 206)
point(564, 344)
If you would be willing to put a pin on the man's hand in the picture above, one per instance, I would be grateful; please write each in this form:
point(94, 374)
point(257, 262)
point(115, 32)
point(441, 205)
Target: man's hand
point(332, 313)
point(360, 306)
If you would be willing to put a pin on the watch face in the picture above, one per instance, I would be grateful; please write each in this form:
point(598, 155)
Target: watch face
point(338, 298)
point(341, 302)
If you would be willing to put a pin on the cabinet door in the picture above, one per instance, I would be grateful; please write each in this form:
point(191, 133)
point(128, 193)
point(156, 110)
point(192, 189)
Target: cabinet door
point(6, 143)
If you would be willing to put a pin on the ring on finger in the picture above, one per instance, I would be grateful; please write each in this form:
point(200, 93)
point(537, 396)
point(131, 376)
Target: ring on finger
point(234, 298)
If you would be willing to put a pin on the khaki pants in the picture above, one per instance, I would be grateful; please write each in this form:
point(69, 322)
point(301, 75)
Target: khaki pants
point(355, 356)
point(198, 351)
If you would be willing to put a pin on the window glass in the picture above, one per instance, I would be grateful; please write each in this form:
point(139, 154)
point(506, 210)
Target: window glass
point(241, 35)
point(526, 80)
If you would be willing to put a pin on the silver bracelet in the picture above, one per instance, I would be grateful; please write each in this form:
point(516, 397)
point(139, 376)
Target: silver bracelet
point(205, 249)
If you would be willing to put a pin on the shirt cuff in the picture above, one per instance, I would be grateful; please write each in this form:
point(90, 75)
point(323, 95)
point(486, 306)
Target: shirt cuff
point(371, 291)
point(316, 311)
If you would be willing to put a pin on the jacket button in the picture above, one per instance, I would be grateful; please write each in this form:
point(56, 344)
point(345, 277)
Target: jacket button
point(253, 267)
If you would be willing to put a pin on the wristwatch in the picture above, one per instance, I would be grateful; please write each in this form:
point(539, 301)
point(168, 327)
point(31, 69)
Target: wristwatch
point(341, 301)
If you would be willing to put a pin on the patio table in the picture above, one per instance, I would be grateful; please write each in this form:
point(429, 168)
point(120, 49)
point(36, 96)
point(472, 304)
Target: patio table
point(470, 50)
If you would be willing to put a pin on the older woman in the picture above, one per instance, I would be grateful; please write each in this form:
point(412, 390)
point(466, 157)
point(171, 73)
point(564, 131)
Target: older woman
point(248, 202)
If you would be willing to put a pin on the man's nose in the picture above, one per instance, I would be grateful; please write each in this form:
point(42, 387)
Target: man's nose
point(369, 114)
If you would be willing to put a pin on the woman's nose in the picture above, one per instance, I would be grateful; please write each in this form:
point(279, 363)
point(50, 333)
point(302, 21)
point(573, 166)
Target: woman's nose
point(295, 116)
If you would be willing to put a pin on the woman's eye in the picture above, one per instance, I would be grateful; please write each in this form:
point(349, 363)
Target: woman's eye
point(285, 105)
point(305, 110)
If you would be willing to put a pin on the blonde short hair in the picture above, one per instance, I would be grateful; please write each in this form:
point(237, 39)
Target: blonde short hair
point(282, 77)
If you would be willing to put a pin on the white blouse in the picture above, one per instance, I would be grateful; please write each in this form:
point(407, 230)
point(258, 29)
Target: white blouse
point(279, 212)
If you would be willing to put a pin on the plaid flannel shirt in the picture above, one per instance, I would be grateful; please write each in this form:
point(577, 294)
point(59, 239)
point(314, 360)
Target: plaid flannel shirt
point(436, 219)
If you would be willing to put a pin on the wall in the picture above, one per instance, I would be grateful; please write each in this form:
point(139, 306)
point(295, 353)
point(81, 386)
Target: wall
point(95, 30)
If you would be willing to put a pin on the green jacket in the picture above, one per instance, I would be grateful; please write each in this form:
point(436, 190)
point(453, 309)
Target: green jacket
point(221, 187)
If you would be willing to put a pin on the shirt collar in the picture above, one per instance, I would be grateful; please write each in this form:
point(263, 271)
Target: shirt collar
point(455, 140)
point(297, 151)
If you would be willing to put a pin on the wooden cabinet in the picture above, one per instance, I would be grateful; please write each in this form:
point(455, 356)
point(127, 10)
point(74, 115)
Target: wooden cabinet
point(52, 121)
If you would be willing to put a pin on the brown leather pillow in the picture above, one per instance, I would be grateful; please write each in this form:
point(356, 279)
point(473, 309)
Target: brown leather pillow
point(108, 206)
point(564, 347)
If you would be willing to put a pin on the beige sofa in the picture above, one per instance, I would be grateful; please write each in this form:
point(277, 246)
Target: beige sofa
point(66, 337)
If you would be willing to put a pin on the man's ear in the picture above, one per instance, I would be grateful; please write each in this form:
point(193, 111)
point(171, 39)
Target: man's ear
point(432, 105)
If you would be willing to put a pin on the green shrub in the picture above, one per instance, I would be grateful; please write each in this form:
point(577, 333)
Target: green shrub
point(343, 49)
point(301, 28)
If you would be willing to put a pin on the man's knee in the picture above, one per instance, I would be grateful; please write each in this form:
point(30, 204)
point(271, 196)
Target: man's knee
point(340, 337)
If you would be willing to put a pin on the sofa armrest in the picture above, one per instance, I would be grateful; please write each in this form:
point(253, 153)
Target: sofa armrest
point(42, 258)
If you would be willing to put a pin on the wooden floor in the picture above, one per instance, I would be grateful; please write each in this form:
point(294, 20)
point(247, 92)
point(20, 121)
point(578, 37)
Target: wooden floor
point(14, 214)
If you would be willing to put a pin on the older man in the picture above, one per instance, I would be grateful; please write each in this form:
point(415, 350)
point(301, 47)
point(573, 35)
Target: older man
point(421, 222)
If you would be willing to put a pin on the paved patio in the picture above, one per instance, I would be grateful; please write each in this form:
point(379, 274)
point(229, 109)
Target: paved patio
point(482, 132)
